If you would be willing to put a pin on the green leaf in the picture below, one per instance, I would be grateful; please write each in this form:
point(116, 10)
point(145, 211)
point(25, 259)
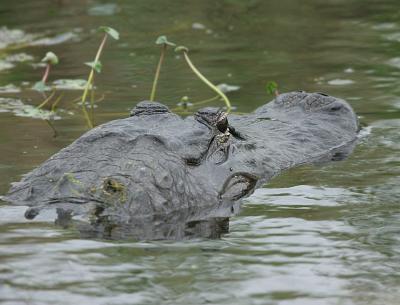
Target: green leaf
point(181, 49)
point(110, 31)
point(40, 86)
point(95, 65)
point(50, 58)
point(272, 87)
point(163, 40)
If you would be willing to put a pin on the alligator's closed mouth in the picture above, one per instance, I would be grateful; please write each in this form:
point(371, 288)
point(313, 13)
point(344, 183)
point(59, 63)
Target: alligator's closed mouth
point(32, 212)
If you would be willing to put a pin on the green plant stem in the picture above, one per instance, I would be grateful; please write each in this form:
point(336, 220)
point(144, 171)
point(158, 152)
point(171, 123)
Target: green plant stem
point(157, 75)
point(89, 83)
point(206, 101)
point(53, 107)
point(209, 100)
point(85, 113)
point(46, 100)
point(207, 82)
point(55, 134)
point(92, 104)
point(46, 74)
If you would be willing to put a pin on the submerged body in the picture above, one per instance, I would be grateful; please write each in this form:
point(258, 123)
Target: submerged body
point(154, 164)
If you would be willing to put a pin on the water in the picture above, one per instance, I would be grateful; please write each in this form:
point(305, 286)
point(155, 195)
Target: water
point(315, 235)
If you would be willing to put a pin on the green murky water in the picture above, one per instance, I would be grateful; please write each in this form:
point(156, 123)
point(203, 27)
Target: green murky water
point(315, 235)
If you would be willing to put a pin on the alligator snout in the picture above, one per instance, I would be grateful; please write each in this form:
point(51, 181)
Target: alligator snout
point(322, 108)
point(307, 101)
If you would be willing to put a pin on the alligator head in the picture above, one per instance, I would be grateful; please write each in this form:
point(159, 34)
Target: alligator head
point(154, 164)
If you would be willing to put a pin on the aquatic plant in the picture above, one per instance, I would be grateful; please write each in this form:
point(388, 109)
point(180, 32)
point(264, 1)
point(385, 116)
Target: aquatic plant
point(185, 104)
point(272, 88)
point(96, 66)
point(163, 41)
point(185, 52)
point(50, 59)
point(48, 115)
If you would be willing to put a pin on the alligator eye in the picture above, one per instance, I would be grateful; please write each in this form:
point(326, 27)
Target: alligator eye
point(222, 124)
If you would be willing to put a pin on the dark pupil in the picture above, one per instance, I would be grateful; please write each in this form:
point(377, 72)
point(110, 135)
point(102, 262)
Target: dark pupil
point(222, 125)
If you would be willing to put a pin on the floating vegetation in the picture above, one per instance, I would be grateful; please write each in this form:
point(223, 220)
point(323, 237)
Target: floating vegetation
point(16, 39)
point(70, 84)
point(5, 65)
point(60, 38)
point(47, 109)
point(19, 57)
point(10, 88)
point(8, 62)
point(96, 66)
point(394, 62)
point(163, 41)
point(106, 9)
point(18, 108)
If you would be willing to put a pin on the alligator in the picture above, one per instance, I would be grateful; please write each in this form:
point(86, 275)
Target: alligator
point(156, 175)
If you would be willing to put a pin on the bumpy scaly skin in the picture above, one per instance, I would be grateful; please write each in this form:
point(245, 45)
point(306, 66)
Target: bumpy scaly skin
point(155, 162)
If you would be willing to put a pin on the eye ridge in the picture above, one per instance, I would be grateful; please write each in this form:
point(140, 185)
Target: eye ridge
point(212, 118)
point(336, 108)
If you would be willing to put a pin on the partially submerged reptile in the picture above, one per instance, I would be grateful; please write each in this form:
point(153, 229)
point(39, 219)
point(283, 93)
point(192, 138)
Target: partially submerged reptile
point(156, 169)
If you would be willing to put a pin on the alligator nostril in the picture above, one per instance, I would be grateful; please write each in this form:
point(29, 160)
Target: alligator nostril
point(336, 108)
point(323, 94)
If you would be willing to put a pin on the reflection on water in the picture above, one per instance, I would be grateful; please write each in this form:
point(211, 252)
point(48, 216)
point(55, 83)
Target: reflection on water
point(315, 235)
point(178, 225)
point(306, 244)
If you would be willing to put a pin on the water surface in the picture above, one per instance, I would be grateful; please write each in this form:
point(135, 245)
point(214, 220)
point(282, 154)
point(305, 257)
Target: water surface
point(314, 235)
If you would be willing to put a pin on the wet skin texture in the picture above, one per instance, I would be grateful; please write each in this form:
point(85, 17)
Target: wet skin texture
point(155, 167)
